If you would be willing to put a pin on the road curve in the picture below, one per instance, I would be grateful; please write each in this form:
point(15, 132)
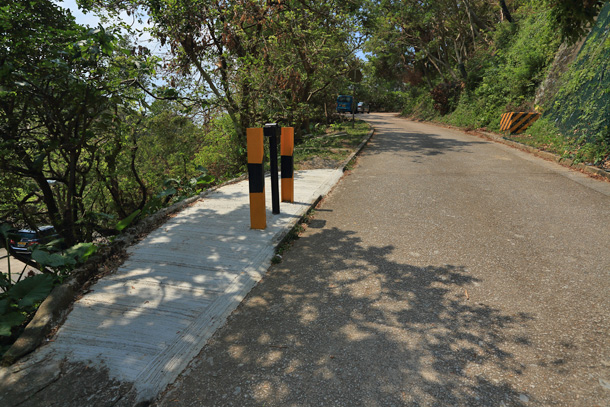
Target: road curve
point(445, 269)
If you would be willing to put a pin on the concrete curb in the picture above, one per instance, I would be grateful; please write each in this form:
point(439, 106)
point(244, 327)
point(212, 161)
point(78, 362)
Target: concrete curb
point(360, 147)
point(566, 162)
point(323, 190)
point(54, 308)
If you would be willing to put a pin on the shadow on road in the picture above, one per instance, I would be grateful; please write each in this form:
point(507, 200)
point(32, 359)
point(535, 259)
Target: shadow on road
point(423, 144)
point(338, 323)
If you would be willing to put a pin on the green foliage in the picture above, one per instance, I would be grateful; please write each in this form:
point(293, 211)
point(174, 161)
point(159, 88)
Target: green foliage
point(168, 144)
point(128, 220)
point(334, 146)
point(545, 135)
point(507, 81)
point(30, 291)
point(220, 152)
point(382, 92)
point(419, 103)
point(256, 61)
point(176, 189)
point(573, 17)
point(503, 73)
point(5, 281)
point(62, 264)
point(18, 303)
point(59, 82)
point(580, 107)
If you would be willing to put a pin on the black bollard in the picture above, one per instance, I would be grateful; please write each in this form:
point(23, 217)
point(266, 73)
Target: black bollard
point(271, 130)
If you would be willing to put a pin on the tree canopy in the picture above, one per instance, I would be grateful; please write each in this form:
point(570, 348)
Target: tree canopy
point(57, 81)
point(83, 143)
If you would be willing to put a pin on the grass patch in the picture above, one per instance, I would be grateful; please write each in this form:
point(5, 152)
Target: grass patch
point(335, 144)
point(543, 135)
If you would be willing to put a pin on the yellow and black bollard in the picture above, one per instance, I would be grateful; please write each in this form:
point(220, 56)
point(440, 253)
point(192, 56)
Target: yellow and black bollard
point(256, 175)
point(517, 122)
point(287, 163)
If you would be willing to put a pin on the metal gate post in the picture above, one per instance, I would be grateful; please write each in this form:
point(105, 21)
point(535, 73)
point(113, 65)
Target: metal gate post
point(271, 130)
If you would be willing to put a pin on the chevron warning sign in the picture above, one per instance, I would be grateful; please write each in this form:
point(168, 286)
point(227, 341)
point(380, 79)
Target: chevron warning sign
point(517, 122)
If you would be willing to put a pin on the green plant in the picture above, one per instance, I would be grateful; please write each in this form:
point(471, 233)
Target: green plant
point(445, 96)
point(221, 153)
point(419, 103)
point(504, 75)
point(62, 264)
point(21, 299)
point(580, 107)
point(337, 126)
point(176, 189)
point(335, 146)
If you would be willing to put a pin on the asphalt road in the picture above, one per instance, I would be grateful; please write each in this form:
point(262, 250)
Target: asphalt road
point(444, 270)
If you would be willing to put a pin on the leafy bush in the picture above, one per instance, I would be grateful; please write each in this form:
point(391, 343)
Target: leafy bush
point(20, 300)
point(505, 76)
point(580, 107)
point(419, 103)
point(221, 154)
point(446, 96)
point(18, 303)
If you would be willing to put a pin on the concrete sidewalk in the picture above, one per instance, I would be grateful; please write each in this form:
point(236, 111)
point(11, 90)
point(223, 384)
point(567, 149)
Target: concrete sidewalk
point(139, 327)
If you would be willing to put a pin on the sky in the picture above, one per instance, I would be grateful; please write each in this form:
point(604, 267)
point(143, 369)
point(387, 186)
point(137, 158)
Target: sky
point(92, 20)
point(84, 19)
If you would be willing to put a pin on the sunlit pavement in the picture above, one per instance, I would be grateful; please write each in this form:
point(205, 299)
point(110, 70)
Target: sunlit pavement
point(444, 270)
point(140, 326)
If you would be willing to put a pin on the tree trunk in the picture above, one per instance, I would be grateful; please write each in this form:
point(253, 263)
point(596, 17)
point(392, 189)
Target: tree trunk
point(505, 12)
point(477, 21)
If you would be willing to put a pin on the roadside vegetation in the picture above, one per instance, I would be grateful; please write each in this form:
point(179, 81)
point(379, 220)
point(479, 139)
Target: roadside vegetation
point(467, 65)
point(329, 146)
point(97, 132)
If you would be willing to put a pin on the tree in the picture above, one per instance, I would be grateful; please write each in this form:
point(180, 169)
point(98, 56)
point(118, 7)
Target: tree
point(56, 80)
point(430, 37)
point(573, 18)
point(256, 60)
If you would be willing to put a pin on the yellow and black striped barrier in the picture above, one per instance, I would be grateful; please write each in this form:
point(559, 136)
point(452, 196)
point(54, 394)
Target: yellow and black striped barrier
point(287, 163)
point(517, 122)
point(256, 175)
